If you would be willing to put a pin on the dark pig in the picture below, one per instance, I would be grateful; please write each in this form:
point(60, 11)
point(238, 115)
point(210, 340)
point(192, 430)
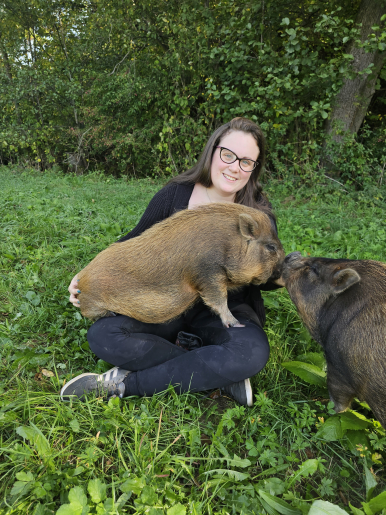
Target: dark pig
point(201, 252)
point(342, 303)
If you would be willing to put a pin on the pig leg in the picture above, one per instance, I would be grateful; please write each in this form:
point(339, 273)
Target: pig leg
point(215, 295)
point(340, 392)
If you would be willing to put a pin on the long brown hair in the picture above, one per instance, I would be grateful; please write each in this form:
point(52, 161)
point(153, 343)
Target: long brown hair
point(252, 194)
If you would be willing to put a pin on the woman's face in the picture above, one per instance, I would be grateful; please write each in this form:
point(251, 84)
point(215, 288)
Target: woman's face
point(230, 178)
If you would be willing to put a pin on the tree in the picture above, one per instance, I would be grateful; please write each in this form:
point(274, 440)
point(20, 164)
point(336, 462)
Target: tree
point(352, 101)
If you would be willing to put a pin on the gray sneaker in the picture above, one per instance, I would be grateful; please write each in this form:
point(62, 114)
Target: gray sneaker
point(241, 392)
point(105, 385)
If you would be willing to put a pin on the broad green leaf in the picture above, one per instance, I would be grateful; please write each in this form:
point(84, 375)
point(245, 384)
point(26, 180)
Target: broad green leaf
point(278, 504)
point(170, 496)
point(148, 496)
point(234, 474)
point(274, 486)
point(39, 510)
point(97, 490)
point(331, 430)
point(21, 487)
point(133, 484)
point(77, 495)
point(366, 509)
point(25, 476)
point(114, 402)
point(268, 508)
point(156, 511)
point(26, 432)
point(352, 420)
point(356, 511)
point(177, 509)
point(315, 358)
point(325, 508)
point(36, 437)
point(378, 503)
point(309, 373)
point(307, 468)
point(239, 462)
point(70, 509)
point(33, 298)
point(356, 439)
point(40, 492)
point(107, 507)
point(74, 424)
point(76, 472)
point(370, 482)
point(122, 499)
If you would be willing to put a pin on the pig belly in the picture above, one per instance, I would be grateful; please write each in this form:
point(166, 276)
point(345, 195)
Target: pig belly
point(152, 307)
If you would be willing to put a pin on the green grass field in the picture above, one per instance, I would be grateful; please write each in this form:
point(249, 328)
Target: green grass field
point(170, 454)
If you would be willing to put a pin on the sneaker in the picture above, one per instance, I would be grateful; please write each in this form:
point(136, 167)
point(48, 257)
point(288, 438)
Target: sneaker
point(241, 392)
point(106, 385)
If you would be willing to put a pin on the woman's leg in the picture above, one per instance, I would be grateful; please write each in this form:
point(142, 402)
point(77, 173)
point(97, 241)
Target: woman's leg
point(133, 345)
point(228, 356)
point(130, 345)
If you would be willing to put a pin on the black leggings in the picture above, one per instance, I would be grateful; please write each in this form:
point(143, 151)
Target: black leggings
point(148, 350)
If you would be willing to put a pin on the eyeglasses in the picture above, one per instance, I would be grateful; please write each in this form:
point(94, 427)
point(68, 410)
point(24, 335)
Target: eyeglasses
point(229, 157)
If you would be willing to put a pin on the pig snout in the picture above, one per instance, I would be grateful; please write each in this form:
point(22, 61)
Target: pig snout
point(291, 258)
point(292, 262)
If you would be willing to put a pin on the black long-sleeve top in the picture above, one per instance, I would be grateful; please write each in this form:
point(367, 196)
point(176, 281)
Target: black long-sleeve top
point(175, 197)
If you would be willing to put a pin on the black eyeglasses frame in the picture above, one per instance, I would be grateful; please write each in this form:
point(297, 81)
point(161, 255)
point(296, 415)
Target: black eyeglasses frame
point(239, 159)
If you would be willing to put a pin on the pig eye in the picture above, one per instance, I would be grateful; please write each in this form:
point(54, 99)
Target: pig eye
point(271, 248)
point(315, 270)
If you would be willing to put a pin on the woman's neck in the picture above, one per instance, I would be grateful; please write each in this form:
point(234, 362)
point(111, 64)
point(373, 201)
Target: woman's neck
point(202, 195)
point(219, 196)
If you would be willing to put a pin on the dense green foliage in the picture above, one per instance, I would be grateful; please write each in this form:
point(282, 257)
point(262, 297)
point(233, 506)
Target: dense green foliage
point(170, 454)
point(135, 88)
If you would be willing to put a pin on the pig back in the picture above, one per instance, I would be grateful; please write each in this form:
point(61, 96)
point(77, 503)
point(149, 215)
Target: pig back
point(357, 321)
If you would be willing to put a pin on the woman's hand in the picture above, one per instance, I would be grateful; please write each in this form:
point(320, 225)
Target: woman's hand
point(74, 290)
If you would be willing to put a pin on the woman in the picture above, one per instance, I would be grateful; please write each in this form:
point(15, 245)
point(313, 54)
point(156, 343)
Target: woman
point(194, 352)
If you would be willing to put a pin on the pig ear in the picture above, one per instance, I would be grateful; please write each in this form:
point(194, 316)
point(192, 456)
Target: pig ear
point(345, 279)
point(249, 228)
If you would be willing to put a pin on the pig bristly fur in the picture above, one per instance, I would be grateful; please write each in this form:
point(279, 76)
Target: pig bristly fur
point(196, 253)
point(343, 304)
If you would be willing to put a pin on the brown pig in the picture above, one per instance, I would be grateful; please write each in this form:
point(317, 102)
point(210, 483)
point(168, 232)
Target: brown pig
point(196, 253)
point(342, 303)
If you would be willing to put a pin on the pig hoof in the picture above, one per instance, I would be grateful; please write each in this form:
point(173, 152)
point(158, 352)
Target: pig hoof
point(238, 325)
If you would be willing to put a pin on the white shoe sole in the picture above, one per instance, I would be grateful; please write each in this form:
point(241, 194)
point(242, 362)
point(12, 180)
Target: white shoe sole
point(248, 390)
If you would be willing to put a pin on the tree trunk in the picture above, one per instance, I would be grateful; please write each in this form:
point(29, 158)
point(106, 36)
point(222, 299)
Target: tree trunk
point(353, 99)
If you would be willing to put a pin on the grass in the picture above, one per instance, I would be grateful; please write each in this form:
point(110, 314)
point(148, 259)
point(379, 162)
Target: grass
point(167, 454)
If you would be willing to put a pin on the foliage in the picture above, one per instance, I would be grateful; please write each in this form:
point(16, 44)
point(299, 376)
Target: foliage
point(135, 88)
point(169, 454)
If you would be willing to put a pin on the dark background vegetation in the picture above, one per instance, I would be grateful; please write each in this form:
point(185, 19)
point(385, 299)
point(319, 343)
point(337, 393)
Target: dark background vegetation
point(135, 88)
